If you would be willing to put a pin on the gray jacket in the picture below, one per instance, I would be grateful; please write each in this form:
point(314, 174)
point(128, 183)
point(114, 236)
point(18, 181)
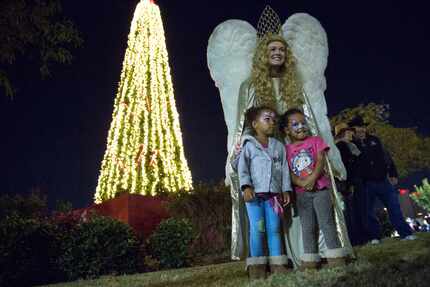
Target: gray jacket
point(265, 170)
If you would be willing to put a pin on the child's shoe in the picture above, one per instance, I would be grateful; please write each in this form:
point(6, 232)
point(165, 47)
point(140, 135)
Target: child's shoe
point(336, 257)
point(310, 261)
point(279, 269)
point(278, 264)
point(336, 262)
point(256, 267)
point(257, 272)
point(309, 265)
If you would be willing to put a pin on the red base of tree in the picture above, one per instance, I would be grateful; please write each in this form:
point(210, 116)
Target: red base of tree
point(142, 213)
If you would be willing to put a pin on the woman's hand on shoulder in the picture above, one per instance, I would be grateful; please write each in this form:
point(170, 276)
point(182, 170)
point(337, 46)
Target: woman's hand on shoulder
point(237, 149)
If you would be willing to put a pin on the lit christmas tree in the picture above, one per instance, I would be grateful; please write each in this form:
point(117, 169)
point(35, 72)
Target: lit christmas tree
point(144, 152)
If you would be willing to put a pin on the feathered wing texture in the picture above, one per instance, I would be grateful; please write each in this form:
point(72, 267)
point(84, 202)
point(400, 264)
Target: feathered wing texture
point(230, 50)
point(308, 41)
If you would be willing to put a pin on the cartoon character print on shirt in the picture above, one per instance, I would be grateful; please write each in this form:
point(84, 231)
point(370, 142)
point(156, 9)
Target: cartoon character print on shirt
point(302, 163)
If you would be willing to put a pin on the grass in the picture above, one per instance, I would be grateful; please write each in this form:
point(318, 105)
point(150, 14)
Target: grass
point(392, 263)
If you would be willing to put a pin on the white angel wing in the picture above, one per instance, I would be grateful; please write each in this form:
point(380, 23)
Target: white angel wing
point(308, 42)
point(230, 50)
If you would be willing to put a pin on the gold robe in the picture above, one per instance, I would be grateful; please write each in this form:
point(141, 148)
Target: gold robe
point(290, 221)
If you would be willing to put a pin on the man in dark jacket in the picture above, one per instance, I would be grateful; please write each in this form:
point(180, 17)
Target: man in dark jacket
point(354, 196)
point(379, 176)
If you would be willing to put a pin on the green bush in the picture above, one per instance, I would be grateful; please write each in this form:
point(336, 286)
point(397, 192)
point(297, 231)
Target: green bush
point(35, 249)
point(422, 195)
point(170, 243)
point(33, 205)
point(28, 252)
point(99, 246)
point(208, 208)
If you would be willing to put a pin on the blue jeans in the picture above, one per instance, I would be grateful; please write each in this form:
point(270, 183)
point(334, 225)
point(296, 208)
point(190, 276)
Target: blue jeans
point(387, 194)
point(263, 220)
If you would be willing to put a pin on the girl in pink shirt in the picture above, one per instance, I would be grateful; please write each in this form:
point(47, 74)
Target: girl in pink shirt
point(306, 157)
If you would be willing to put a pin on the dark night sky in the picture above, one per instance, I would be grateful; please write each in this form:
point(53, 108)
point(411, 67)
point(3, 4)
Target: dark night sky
point(54, 131)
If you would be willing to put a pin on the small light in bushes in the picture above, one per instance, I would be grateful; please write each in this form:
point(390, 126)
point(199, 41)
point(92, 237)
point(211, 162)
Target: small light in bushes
point(403, 191)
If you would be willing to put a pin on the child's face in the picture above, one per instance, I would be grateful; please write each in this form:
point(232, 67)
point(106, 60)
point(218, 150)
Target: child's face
point(297, 128)
point(265, 123)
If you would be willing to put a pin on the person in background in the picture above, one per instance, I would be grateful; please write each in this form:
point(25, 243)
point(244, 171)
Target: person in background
point(379, 175)
point(352, 188)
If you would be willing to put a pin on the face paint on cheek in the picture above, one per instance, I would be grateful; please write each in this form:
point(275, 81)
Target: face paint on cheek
point(297, 126)
point(267, 115)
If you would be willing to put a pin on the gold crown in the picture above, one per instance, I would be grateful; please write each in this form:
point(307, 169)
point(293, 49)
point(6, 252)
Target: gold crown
point(269, 23)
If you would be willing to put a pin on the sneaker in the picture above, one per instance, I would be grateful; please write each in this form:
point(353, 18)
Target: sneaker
point(375, 241)
point(410, 237)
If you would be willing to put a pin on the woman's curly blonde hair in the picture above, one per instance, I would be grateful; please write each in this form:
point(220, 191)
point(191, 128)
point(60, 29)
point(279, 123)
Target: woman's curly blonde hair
point(290, 84)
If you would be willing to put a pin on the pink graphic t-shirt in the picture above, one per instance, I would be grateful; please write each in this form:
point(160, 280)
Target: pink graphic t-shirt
point(302, 159)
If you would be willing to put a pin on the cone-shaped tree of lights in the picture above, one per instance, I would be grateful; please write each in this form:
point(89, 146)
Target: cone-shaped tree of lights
point(144, 152)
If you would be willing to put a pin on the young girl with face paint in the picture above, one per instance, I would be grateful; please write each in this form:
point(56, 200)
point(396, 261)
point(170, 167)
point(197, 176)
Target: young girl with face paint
point(306, 157)
point(265, 183)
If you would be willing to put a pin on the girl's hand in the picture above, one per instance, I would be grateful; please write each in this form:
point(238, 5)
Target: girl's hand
point(310, 184)
point(248, 194)
point(285, 199)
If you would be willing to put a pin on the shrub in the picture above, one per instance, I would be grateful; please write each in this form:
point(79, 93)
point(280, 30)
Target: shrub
point(63, 206)
point(99, 246)
point(28, 251)
point(422, 195)
point(35, 249)
point(208, 208)
point(33, 205)
point(170, 243)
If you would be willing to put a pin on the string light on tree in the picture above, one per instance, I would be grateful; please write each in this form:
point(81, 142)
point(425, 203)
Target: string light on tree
point(144, 152)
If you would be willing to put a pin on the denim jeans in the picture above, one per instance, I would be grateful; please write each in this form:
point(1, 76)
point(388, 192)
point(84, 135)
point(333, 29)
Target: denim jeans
point(263, 220)
point(386, 193)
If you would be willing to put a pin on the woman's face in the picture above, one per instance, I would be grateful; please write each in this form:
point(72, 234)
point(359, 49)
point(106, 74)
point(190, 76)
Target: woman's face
point(276, 53)
point(349, 135)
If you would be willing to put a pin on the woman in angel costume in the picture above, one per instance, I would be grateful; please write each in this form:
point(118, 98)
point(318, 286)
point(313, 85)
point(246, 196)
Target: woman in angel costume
point(245, 72)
